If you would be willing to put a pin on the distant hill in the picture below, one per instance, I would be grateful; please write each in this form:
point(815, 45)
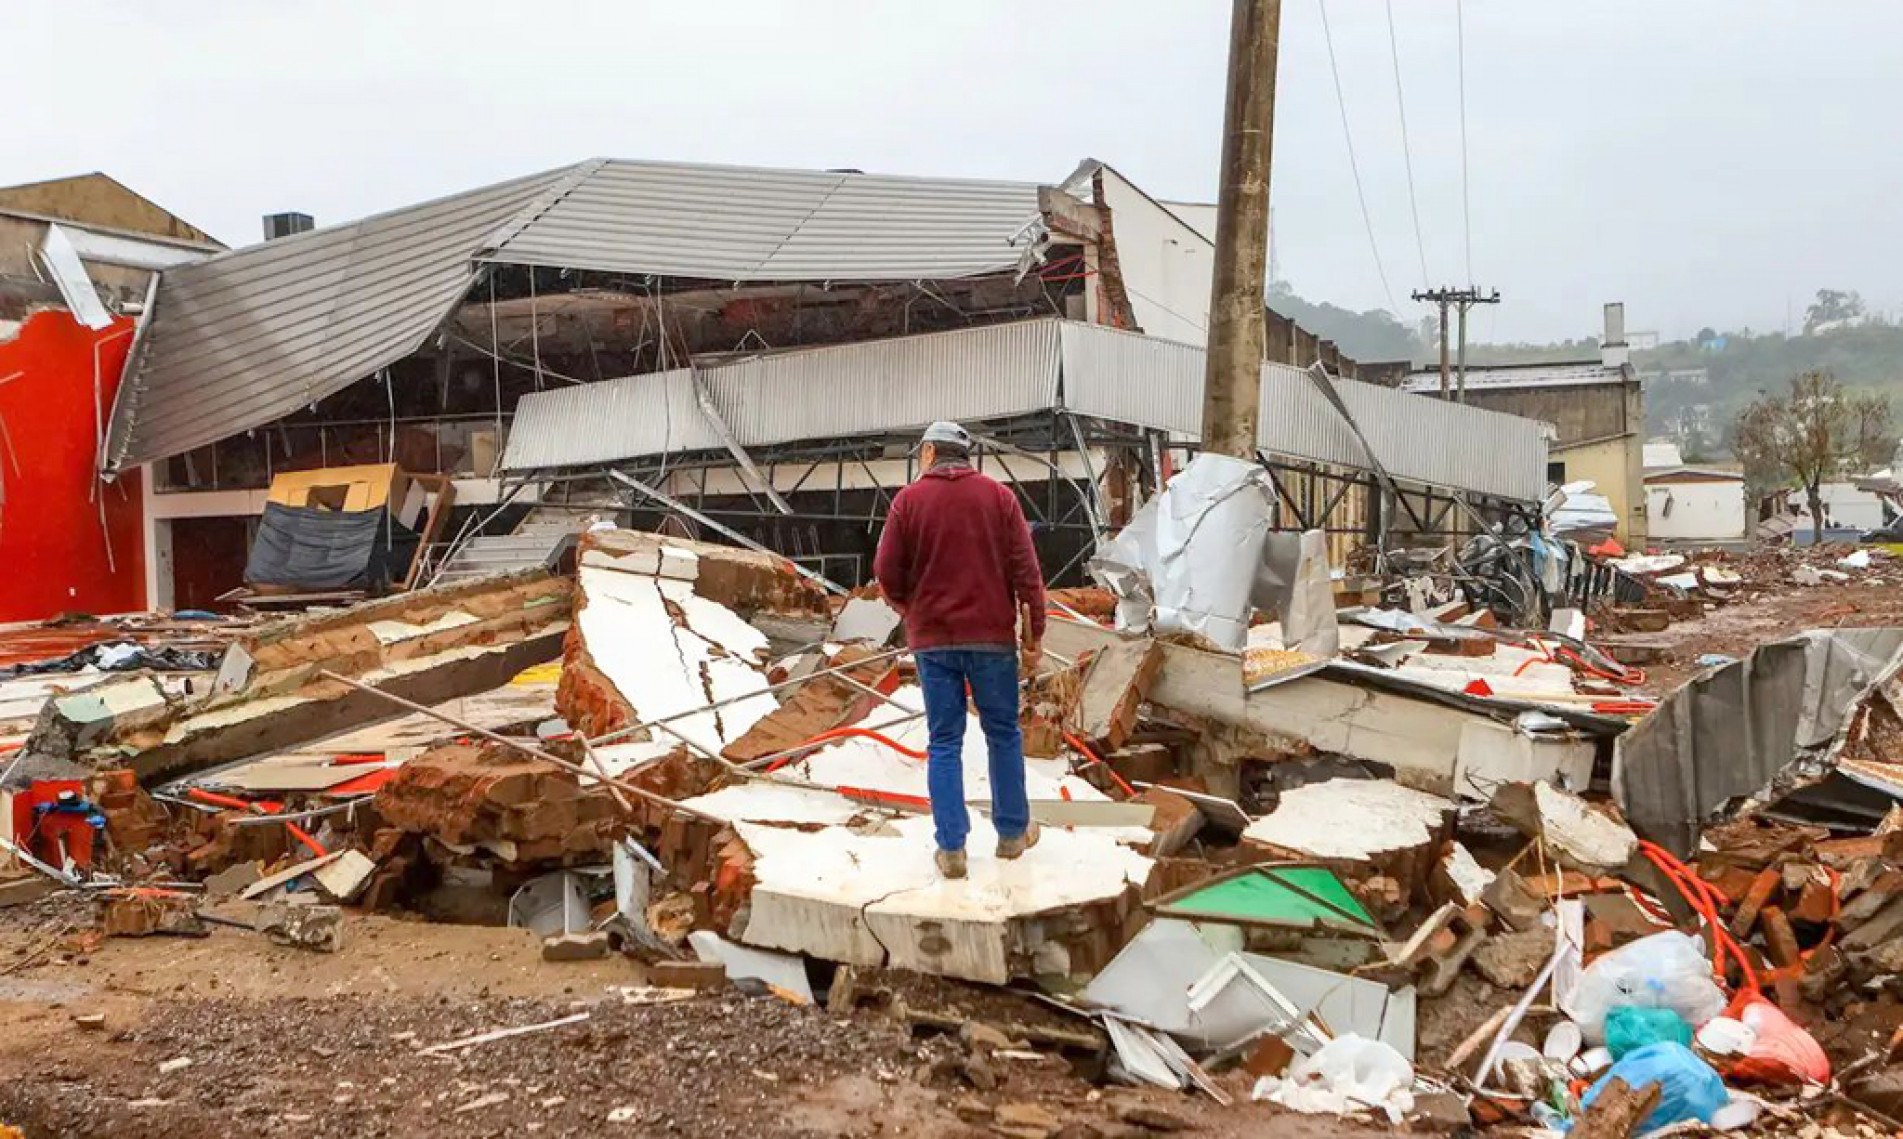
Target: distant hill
point(1738, 366)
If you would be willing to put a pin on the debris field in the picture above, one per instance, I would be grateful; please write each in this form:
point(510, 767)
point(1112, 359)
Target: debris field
point(643, 846)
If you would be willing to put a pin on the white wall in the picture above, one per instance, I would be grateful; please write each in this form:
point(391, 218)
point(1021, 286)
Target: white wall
point(1846, 506)
point(1166, 264)
point(1703, 511)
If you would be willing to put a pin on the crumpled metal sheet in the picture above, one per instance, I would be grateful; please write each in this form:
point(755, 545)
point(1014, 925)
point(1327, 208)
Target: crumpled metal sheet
point(1197, 546)
point(1750, 728)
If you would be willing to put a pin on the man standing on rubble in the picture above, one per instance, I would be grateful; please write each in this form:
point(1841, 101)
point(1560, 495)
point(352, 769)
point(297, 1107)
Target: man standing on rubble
point(956, 561)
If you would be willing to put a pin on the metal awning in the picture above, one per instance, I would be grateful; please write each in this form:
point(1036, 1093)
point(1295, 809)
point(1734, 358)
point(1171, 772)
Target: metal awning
point(999, 371)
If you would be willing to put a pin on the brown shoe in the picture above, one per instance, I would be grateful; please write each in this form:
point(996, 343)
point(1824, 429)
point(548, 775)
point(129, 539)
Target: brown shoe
point(1009, 848)
point(951, 863)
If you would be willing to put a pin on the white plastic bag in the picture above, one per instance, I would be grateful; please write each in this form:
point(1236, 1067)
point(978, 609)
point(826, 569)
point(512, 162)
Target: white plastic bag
point(1666, 970)
point(1350, 1073)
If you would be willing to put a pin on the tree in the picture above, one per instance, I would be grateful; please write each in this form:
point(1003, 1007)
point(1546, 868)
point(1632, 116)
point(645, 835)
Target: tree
point(1706, 335)
point(1811, 436)
point(1832, 306)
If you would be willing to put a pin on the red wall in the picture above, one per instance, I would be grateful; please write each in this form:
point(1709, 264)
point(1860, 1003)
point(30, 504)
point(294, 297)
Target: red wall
point(52, 543)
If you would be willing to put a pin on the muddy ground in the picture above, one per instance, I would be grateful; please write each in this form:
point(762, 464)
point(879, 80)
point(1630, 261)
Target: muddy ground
point(282, 1041)
point(1774, 612)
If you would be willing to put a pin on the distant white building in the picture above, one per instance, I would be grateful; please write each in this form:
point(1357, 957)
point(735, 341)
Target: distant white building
point(1694, 504)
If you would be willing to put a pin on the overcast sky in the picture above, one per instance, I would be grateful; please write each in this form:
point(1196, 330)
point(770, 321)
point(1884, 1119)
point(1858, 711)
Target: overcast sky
point(1706, 161)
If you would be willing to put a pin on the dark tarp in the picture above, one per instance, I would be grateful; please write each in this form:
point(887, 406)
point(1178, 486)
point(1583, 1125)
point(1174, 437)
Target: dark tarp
point(307, 548)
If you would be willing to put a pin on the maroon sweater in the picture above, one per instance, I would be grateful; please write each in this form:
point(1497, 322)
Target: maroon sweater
point(956, 559)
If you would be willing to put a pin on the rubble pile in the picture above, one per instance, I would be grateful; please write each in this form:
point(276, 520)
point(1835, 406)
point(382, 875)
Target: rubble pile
point(1405, 862)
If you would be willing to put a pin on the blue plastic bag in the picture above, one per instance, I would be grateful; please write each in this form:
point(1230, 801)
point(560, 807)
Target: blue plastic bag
point(1688, 1087)
point(1629, 1029)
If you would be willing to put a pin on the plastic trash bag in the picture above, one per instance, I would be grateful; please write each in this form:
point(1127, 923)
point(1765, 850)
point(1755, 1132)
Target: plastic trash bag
point(1666, 970)
point(1781, 1052)
point(1349, 1073)
point(1688, 1087)
point(1629, 1028)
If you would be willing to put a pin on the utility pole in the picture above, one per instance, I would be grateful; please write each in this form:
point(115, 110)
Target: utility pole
point(1461, 300)
point(1232, 378)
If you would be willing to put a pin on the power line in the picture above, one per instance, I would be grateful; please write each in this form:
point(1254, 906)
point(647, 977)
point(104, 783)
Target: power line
point(1407, 153)
point(1354, 167)
point(1466, 206)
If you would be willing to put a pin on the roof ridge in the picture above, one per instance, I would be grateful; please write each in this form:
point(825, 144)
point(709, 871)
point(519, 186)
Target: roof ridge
point(542, 203)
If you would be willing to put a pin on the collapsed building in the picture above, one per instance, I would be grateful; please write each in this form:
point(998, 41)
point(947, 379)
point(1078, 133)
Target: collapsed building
point(628, 339)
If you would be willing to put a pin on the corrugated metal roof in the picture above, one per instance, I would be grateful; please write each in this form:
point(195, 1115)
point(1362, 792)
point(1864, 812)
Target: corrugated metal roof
point(601, 423)
point(817, 393)
point(242, 338)
point(1521, 376)
point(738, 223)
point(1012, 369)
point(1159, 384)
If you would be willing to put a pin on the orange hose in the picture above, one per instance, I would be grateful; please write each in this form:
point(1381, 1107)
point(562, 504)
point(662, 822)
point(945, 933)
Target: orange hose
point(1083, 747)
point(847, 733)
point(1630, 677)
point(303, 836)
point(1704, 898)
point(214, 799)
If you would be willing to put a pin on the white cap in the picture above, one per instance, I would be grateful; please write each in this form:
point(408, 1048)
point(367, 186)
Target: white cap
point(945, 431)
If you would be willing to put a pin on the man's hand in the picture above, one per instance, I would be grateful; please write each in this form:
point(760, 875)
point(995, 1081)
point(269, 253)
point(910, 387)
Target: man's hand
point(1030, 655)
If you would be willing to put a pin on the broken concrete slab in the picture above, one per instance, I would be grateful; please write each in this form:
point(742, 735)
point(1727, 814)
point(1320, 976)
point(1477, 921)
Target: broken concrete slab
point(304, 926)
point(1116, 682)
point(72, 723)
point(867, 619)
point(263, 886)
point(778, 971)
point(876, 898)
point(1459, 878)
point(343, 879)
point(586, 945)
point(1491, 753)
point(1345, 709)
point(1580, 835)
point(647, 647)
point(428, 646)
point(1354, 825)
point(871, 765)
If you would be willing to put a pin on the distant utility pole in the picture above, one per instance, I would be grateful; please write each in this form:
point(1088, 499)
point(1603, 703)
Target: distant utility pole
point(1461, 300)
point(1232, 377)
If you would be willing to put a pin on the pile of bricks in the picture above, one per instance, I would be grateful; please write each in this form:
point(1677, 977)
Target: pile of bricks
point(510, 806)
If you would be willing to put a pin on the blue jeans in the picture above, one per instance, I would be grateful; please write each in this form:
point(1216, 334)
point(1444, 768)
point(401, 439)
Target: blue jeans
point(993, 676)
